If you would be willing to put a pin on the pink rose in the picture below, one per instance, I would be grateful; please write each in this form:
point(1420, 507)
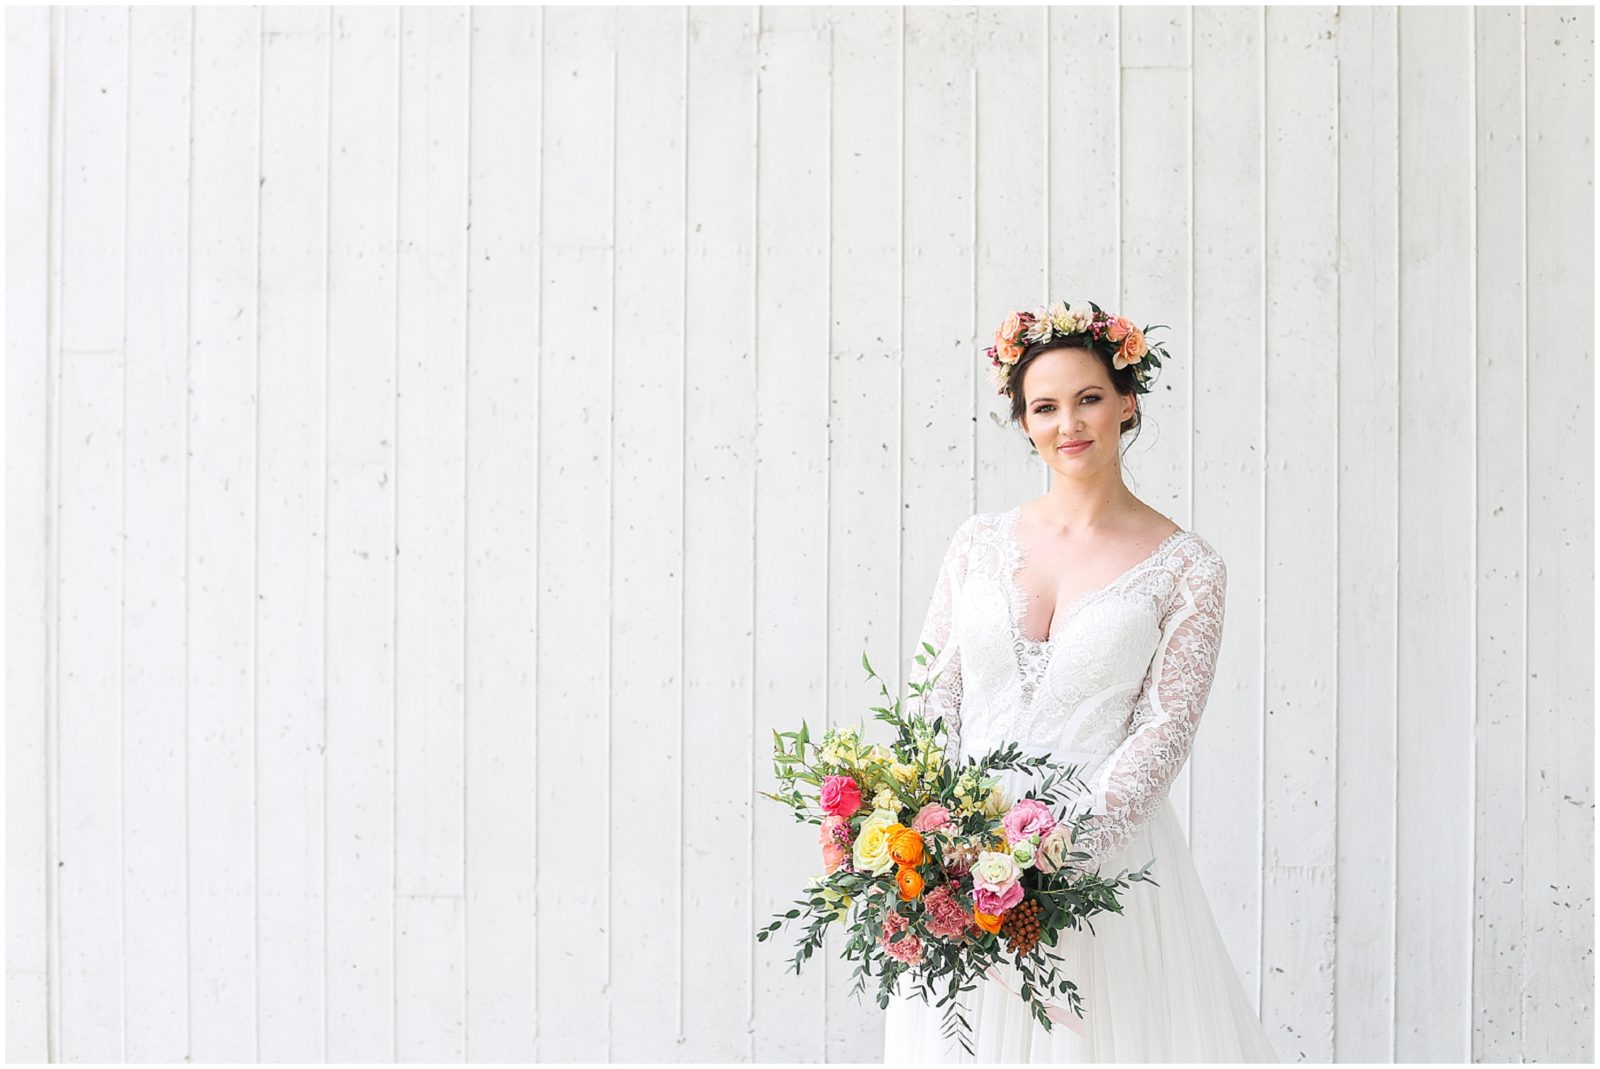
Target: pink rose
point(1028, 817)
point(840, 796)
point(833, 855)
point(931, 817)
point(991, 903)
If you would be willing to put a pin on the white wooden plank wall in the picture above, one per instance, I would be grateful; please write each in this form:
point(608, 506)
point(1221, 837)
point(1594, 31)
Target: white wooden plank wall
point(445, 444)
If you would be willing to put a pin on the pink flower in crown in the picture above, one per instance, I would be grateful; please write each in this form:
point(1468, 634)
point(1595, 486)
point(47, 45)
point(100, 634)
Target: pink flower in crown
point(931, 817)
point(1028, 817)
point(840, 796)
point(1117, 328)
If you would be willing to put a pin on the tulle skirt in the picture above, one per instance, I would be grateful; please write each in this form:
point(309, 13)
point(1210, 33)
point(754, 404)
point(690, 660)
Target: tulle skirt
point(1157, 982)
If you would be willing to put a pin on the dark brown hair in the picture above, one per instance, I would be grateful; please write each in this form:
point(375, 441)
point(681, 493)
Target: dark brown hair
point(1122, 381)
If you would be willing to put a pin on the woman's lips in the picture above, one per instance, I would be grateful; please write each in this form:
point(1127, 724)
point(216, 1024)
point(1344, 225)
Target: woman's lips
point(1075, 448)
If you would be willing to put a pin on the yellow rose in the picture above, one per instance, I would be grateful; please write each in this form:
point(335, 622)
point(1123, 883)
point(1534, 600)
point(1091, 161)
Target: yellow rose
point(871, 850)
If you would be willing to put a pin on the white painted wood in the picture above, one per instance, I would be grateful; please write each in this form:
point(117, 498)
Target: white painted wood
point(398, 633)
point(865, 362)
point(154, 893)
point(30, 35)
point(1437, 476)
point(291, 553)
point(790, 530)
point(1156, 167)
point(1225, 370)
point(501, 515)
point(90, 715)
point(578, 441)
point(715, 968)
point(1082, 254)
point(363, 317)
point(1300, 538)
point(430, 597)
point(1369, 417)
point(648, 724)
point(1501, 508)
point(1558, 880)
point(1012, 228)
point(945, 394)
point(222, 519)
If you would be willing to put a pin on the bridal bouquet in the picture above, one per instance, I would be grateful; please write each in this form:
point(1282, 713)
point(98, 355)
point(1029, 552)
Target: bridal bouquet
point(933, 872)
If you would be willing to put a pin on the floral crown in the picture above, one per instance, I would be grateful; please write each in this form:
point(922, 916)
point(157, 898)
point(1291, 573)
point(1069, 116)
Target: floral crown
point(1022, 329)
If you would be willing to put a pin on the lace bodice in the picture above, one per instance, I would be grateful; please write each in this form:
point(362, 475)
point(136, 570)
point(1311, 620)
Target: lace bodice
point(1117, 688)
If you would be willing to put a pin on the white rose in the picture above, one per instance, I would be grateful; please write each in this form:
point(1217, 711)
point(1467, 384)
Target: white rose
point(995, 870)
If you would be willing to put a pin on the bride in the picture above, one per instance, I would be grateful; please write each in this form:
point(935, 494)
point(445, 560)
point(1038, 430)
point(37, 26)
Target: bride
point(1086, 625)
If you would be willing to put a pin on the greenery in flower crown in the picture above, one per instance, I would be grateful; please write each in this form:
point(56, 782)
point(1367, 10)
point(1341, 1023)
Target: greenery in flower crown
point(1125, 342)
point(912, 896)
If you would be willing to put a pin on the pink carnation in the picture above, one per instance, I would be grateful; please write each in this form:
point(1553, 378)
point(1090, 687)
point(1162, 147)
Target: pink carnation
point(931, 817)
point(1027, 817)
point(992, 903)
point(840, 796)
point(908, 949)
point(947, 917)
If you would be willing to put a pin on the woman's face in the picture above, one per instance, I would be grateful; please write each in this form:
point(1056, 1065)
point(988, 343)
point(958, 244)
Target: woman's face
point(1069, 398)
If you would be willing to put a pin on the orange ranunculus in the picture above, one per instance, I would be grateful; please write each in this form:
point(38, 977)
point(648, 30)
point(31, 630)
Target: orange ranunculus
point(909, 880)
point(989, 922)
point(905, 846)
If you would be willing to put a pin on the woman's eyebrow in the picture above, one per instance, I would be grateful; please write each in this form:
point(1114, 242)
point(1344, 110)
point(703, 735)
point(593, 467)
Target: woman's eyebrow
point(1080, 390)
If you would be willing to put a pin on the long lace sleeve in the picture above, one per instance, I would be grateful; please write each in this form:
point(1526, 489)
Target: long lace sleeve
point(1138, 774)
point(938, 631)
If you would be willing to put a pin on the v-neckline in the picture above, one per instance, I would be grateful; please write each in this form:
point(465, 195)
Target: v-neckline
point(1019, 596)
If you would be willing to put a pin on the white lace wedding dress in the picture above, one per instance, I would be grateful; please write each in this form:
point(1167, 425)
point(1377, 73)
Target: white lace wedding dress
point(1117, 688)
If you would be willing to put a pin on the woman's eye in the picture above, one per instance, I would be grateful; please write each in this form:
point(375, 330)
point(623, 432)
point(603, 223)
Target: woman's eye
point(1092, 397)
point(1042, 408)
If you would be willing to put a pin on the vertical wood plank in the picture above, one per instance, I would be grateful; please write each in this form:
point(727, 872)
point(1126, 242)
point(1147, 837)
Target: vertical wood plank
point(1368, 447)
point(791, 489)
point(502, 510)
point(153, 603)
point(865, 358)
point(1501, 428)
point(1301, 303)
point(291, 557)
point(1012, 231)
point(29, 367)
point(647, 533)
point(1558, 884)
point(89, 764)
point(222, 511)
point(943, 381)
point(1083, 72)
point(1434, 633)
point(430, 846)
point(1154, 165)
point(577, 437)
point(1225, 365)
point(715, 980)
point(363, 175)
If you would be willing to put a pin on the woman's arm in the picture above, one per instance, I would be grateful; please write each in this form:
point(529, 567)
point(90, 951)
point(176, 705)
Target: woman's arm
point(1139, 773)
